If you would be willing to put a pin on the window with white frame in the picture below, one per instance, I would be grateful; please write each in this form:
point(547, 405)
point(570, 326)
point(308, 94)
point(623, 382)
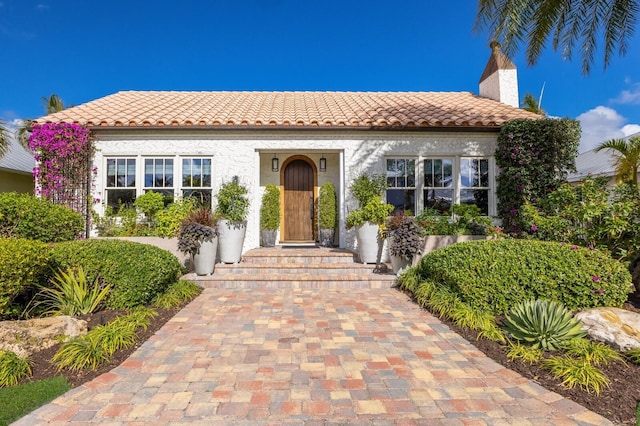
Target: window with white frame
point(158, 177)
point(196, 179)
point(401, 181)
point(439, 184)
point(474, 183)
point(121, 182)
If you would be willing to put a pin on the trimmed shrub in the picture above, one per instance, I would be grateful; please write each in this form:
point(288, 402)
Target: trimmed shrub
point(496, 275)
point(136, 272)
point(26, 216)
point(23, 265)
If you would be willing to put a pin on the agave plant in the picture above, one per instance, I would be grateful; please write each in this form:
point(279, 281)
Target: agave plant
point(542, 324)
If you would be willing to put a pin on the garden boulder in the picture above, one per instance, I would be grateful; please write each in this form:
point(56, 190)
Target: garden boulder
point(618, 327)
point(30, 336)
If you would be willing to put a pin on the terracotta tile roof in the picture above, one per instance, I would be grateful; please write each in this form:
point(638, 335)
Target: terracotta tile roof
point(295, 109)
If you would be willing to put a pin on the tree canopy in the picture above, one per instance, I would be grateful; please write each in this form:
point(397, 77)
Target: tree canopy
point(572, 25)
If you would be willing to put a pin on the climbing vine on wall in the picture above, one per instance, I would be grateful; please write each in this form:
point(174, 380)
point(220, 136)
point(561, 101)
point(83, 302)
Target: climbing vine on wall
point(534, 157)
point(63, 172)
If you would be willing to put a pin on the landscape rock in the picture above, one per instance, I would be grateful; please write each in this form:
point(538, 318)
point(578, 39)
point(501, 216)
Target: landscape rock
point(30, 336)
point(618, 327)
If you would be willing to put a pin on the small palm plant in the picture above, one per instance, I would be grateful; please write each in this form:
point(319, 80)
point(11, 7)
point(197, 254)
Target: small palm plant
point(72, 294)
point(542, 324)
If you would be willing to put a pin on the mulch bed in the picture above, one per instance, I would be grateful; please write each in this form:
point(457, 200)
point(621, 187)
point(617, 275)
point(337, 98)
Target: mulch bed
point(42, 367)
point(617, 403)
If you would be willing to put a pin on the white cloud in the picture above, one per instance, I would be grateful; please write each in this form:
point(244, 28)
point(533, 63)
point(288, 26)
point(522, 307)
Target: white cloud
point(42, 6)
point(601, 124)
point(631, 96)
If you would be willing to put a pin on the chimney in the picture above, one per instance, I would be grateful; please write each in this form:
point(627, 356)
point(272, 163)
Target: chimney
point(499, 79)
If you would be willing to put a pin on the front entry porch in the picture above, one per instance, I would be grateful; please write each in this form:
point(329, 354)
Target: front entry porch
point(299, 175)
point(296, 266)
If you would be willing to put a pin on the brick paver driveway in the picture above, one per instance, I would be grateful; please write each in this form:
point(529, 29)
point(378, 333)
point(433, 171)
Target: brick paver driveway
point(310, 356)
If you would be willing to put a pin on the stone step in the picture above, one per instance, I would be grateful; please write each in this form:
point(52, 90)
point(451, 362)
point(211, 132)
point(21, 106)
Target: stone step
point(299, 267)
point(265, 269)
point(206, 282)
point(319, 255)
point(222, 273)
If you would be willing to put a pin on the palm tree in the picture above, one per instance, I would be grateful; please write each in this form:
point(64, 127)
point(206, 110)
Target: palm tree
point(52, 104)
point(4, 141)
point(570, 23)
point(531, 104)
point(627, 157)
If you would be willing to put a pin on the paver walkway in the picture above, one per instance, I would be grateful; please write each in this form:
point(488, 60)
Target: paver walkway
point(310, 356)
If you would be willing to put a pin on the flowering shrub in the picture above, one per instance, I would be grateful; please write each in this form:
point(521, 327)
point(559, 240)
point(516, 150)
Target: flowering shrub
point(63, 173)
point(588, 215)
point(534, 157)
point(496, 275)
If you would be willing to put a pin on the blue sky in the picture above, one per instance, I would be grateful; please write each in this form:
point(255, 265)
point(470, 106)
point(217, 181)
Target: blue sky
point(83, 50)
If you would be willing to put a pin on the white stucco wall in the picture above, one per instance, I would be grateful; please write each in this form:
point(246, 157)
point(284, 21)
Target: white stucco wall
point(239, 154)
point(502, 86)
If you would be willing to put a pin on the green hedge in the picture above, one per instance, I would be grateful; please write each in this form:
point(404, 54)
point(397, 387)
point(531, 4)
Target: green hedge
point(26, 216)
point(137, 272)
point(23, 264)
point(497, 274)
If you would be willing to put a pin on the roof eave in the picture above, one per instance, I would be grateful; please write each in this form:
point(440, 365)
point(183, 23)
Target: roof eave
point(391, 128)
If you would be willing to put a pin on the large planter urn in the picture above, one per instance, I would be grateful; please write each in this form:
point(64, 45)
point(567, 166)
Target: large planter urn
point(231, 240)
point(368, 242)
point(399, 264)
point(204, 260)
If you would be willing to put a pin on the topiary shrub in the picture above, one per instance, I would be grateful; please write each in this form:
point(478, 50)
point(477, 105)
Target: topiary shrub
point(136, 272)
point(270, 208)
point(25, 216)
point(327, 207)
point(496, 275)
point(23, 264)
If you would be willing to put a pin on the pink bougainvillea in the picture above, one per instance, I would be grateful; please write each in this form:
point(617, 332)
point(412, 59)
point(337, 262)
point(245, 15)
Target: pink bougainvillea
point(61, 151)
point(63, 174)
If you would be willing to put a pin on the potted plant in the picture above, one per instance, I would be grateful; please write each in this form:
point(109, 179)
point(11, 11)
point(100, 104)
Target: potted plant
point(370, 214)
point(232, 209)
point(270, 215)
point(405, 241)
point(198, 237)
point(327, 214)
point(367, 222)
point(465, 223)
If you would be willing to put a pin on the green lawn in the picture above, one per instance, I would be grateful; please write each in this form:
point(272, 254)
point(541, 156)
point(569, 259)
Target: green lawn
point(17, 401)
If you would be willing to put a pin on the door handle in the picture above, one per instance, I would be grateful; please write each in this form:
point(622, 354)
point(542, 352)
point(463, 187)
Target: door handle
point(311, 206)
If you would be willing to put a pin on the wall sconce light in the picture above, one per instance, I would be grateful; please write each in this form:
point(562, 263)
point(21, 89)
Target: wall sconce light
point(275, 164)
point(323, 164)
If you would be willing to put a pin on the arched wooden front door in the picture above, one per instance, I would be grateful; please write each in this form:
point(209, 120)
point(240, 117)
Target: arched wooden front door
point(298, 180)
